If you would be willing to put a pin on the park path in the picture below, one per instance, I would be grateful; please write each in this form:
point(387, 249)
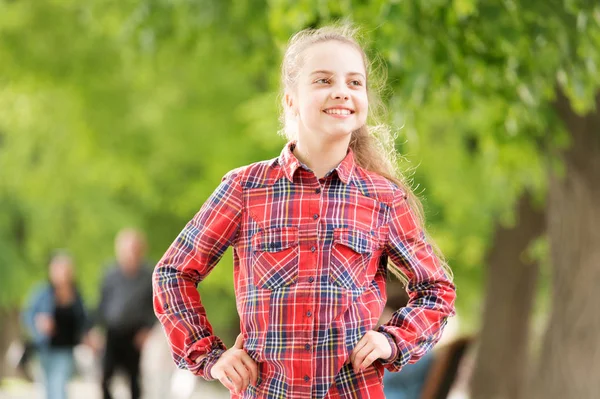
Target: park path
point(160, 378)
point(89, 390)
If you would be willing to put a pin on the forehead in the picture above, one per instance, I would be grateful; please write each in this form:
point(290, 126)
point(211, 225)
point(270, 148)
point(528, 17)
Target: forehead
point(61, 262)
point(332, 56)
point(129, 238)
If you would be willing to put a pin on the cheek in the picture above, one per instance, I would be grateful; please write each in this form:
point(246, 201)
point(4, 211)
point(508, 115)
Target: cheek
point(310, 109)
point(364, 101)
point(363, 105)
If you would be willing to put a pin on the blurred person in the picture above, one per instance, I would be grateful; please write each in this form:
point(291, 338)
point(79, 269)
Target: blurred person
point(312, 232)
point(409, 382)
point(57, 321)
point(125, 310)
point(432, 376)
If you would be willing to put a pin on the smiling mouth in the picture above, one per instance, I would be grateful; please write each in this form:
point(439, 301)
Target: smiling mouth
point(337, 111)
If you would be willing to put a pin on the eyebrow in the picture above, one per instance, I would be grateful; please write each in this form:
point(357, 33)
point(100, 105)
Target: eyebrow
point(331, 73)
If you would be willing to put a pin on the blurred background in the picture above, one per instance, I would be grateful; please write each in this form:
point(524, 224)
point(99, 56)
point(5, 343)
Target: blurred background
point(128, 113)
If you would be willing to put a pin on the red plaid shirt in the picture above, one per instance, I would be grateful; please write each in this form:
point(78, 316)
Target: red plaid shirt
point(310, 268)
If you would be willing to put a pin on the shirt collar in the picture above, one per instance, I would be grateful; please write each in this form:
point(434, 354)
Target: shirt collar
point(290, 164)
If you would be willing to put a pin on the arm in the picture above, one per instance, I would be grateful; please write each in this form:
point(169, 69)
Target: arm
point(147, 309)
point(188, 261)
point(28, 314)
point(36, 305)
point(98, 315)
point(413, 330)
point(84, 322)
point(148, 306)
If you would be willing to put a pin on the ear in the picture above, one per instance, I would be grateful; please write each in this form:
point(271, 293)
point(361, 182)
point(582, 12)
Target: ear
point(289, 102)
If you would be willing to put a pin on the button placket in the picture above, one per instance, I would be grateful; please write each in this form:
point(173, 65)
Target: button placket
point(312, 219)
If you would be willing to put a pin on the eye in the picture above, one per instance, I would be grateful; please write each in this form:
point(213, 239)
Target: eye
point(323, 81)
point(355, 83)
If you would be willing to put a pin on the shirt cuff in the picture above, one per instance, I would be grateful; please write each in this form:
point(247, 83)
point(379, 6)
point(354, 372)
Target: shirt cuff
point(203, 355)
point(401, 354)
point(394, 347)
point(208, 362)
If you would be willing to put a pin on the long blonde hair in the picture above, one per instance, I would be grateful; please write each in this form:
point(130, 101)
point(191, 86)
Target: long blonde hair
point(373, 145)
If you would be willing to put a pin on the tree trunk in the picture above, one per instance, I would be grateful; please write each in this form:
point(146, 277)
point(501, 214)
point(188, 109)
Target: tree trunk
point(502, 358)
point(570, 357)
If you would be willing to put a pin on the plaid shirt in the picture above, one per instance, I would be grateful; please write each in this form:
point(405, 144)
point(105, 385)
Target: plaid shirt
point(310, 268)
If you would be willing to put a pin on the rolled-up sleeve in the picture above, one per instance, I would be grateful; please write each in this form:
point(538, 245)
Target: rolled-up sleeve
point(189, 259)
point(417, 327)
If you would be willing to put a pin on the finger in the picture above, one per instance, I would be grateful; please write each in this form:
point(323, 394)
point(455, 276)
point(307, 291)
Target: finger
point(360, 356)
point(239, 342)
point(232, 376)
point(244, 373)
point(369, 359)
point(227, 383)
point(362, 342)
point(252, 368)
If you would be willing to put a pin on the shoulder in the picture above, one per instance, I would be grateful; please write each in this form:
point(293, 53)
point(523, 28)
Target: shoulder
point(79, 296)
point(112, 273)
point(147, 269)
point(255, 174)
point(40, 294)
point(41, 290)
point(377, 186)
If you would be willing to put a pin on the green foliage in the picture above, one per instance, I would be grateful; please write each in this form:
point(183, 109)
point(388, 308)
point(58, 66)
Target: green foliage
point(472, 87)
point(117, 114)
point(128, 113)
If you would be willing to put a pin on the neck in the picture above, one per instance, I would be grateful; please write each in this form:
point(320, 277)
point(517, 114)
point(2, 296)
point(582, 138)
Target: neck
point(63, 287)
point(131, 270)
point(321, 157)
point(64, 293)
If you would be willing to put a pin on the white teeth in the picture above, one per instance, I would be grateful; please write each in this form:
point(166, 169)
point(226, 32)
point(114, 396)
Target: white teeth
point(338, 111)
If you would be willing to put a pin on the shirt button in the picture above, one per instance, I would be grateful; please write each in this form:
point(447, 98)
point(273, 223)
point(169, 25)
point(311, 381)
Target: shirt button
point(306, 378)
point(309, 313)
point(311, 279)
point(315, 216)
point(313, 248)
point(318, 191)
point(307, 347)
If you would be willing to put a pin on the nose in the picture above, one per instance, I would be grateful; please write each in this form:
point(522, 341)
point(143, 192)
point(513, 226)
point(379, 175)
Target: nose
point(340, 96)
point(340, 92)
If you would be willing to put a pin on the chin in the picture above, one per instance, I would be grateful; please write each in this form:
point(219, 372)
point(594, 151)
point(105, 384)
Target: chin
point(342, 133)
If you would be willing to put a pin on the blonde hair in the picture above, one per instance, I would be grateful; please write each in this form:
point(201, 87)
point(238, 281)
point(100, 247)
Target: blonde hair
point(373, 146)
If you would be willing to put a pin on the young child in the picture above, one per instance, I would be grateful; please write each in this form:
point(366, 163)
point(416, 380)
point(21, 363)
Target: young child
point(312, 231)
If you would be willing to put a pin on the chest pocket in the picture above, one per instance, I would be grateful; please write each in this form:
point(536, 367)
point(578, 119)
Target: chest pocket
point(351, 264)
point(275, 257)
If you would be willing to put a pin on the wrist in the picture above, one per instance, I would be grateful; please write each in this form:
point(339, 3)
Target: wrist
point(209, 362)
point(393, 347)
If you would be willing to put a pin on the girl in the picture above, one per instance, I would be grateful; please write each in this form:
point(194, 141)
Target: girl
point(312, 232)
point(57, 320)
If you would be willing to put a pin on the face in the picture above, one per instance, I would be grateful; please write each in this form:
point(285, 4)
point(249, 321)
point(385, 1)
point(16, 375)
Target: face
point(129, 249)
point(61, 271)
point(330, 98)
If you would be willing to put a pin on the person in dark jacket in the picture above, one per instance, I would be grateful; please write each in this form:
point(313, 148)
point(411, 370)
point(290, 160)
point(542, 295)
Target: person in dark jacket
point(57, 321)
point(126, 310)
